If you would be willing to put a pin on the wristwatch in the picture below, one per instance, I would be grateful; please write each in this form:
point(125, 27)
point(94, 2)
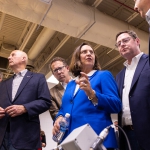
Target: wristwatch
point(93, 95)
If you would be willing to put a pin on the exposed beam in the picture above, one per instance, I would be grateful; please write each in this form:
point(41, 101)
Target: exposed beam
point(73, 20)
point(97, 3)
point(117, 11)
point(53, 52)
point(116, 63)
point(134, 15)
point(120, 8)
point(25, 30)
point(27, 38)
point(142, 24)
point(97, 46)
point(2, 20)
point(111, 62)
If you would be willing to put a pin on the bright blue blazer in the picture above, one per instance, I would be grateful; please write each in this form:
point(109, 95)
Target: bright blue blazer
point(83, 111)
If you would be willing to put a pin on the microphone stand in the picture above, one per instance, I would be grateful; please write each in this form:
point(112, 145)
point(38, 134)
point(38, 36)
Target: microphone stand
point(98, 144)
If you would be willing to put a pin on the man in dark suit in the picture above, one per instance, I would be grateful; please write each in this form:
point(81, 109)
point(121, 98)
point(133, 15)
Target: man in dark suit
point(22, 98)
point(134, 88)
point(60, 70)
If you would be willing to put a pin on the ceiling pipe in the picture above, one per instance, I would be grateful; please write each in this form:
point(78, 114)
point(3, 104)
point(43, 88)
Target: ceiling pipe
point(45, 14)
point(40, 43)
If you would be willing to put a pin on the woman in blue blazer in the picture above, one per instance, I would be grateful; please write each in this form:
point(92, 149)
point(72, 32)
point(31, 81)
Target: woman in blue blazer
point(91, 97)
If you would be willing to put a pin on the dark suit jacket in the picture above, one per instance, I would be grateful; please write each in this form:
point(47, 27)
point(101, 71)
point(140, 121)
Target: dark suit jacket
point(56, 95)
point(139, 100)
point(33, 93)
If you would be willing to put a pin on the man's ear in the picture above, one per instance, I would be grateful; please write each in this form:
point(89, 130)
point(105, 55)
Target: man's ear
point(138, 41)
point(24, 59)
point(67, 67)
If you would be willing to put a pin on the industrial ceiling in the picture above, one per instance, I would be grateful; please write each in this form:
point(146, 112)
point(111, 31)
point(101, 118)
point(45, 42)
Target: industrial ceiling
point(48, 28)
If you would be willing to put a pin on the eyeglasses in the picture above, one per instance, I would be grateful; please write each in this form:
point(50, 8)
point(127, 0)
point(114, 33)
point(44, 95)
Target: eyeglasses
point(124, 41)
point(58, 69)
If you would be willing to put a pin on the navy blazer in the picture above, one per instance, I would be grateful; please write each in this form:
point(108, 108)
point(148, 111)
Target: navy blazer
point(34, 95)
point(139, 100)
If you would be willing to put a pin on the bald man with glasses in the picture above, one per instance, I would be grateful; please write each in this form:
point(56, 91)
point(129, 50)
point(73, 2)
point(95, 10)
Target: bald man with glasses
point(134, 87)
point(60, 70)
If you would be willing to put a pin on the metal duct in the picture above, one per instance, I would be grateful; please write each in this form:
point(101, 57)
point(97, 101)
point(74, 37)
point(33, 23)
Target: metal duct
point(72, 18)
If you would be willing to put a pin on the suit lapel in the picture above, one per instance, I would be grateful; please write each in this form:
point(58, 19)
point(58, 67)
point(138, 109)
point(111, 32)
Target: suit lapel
point(73, 89)
point(25, 80)
point(9, 87)
point(139, 69)
point(121, 82)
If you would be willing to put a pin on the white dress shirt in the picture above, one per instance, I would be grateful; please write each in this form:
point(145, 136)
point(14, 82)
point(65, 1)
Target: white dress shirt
point(130, 70)
point(65, 84)
point(17, 81)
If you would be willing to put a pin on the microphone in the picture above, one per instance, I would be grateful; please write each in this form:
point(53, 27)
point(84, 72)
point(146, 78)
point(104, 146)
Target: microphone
point(98, 144)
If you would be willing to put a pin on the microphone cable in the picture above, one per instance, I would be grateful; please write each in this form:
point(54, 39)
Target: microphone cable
point(113, 126)
point(99, 141)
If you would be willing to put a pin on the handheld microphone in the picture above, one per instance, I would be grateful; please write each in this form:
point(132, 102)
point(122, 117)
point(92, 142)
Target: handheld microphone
point(98, 144)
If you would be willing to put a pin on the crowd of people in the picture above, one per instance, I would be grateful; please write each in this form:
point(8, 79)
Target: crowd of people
point(90, 96)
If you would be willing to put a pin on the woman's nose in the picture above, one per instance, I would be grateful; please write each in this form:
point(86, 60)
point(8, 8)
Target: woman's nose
point(136, 8)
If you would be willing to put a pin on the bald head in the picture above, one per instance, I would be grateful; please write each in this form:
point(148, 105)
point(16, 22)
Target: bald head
point(18, 60)
point(142, 6)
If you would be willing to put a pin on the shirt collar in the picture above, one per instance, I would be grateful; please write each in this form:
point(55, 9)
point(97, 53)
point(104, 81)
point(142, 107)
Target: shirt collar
point(148, 16)
point(134, 59)
point(89, 74)
point(65, 84)
point(22, 73)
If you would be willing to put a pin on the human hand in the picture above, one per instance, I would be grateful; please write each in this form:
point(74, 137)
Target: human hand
point(15, 110)
point(43, 145)
point(56, 126)
point(84, 83)
point(2, 112)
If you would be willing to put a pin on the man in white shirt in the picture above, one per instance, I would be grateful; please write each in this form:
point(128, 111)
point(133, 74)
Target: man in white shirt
point(60, 70)
point(134, 87)
point(143, 7)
